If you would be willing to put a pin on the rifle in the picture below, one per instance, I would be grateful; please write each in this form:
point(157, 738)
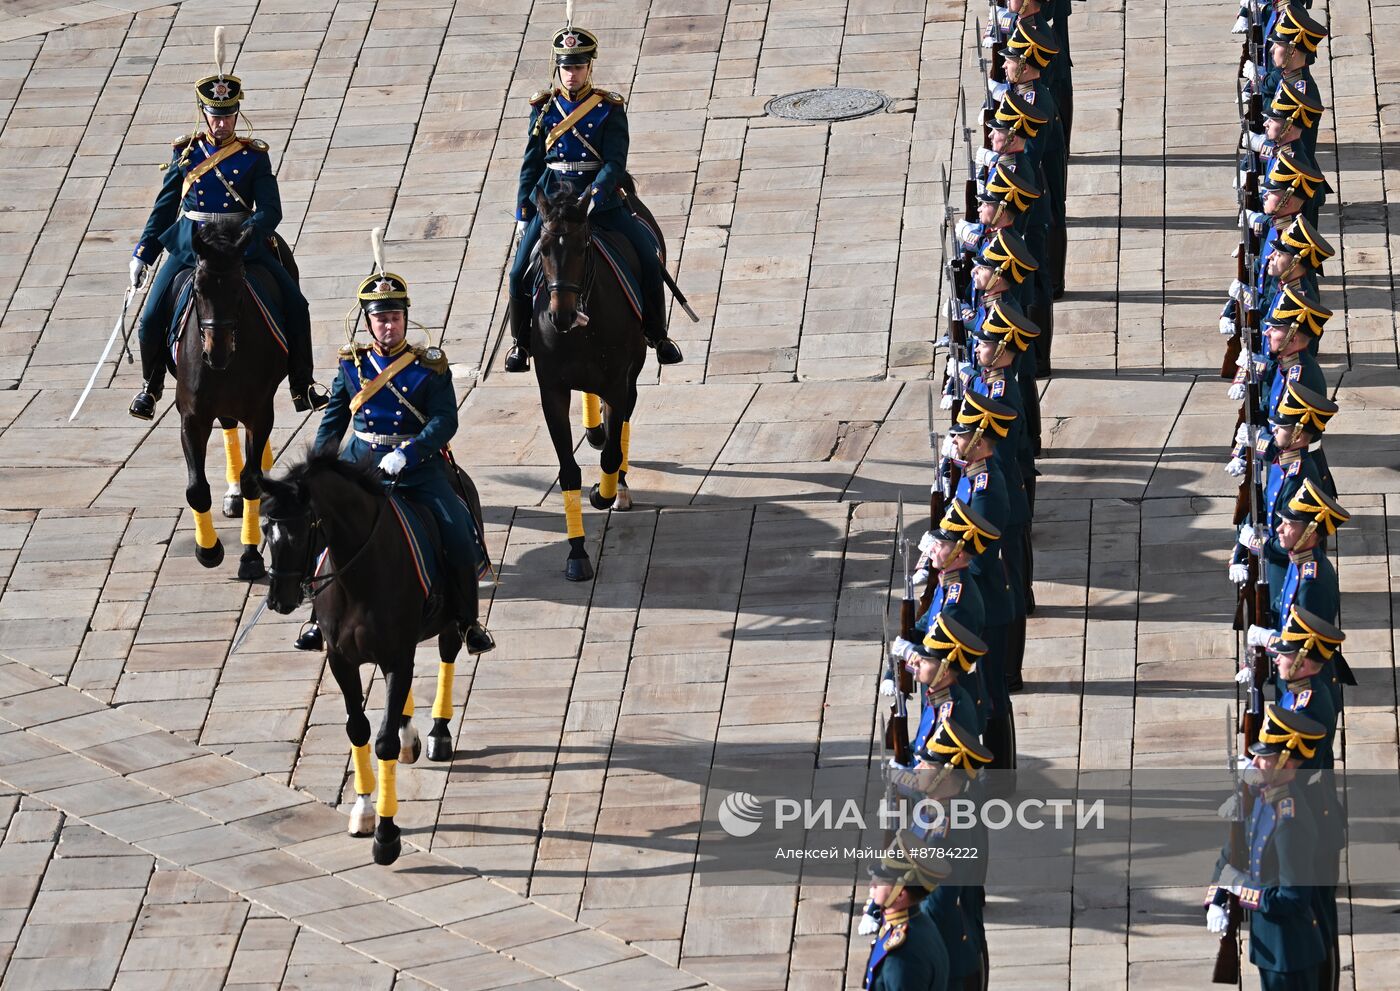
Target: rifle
point(1227, 957)
point(897, 727)
point(937, 498)
point(907, 605)
point(970, 189)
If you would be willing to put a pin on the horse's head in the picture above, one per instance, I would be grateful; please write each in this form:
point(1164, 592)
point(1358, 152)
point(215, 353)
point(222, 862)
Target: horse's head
point(288, 523)
point(563, 248)
point(218, 286)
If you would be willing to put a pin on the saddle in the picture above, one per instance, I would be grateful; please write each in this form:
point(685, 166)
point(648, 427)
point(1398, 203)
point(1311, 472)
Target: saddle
point(267, 298)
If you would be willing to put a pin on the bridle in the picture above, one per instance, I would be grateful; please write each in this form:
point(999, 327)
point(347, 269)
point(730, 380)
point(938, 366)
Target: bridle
point(554, 286)
point(210, 325)
point(312, 584)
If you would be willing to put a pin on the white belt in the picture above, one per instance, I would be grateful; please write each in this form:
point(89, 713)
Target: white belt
point(574, 166)
point(384, 440)
point(200, 216)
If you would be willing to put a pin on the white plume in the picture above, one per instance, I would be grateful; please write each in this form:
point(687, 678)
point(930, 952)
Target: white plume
point(376, 241)
point(219, 49)
point(569, 12)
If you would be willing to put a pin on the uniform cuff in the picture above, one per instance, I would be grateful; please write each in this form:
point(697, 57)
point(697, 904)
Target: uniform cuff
point(411, 452)
point(147, 253)
point(1249, 897)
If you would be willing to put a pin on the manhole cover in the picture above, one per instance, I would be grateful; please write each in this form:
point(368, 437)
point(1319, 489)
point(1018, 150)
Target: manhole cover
point(833, 103)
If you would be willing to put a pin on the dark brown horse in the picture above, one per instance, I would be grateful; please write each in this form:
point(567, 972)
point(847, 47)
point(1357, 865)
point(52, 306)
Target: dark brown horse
point(371, 610)
point(227, 368)
point(588, 339)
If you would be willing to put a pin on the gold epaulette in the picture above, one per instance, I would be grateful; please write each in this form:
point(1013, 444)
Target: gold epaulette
point(612, 97)
point(433, 359)
point(352, 349)
point(256, 144)
point(540, 97)
point(183, 140)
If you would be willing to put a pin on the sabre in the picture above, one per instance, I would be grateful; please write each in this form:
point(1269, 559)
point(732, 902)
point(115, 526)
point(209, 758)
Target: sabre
point(676, 292)
point(120, 326)
point(257, 615)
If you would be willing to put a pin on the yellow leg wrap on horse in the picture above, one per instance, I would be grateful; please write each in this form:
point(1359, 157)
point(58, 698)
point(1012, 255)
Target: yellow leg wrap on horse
point(573, 512)
point(364, 770)
point(626, 442)
point(233, 456)
point(592, 411)
point(388, 803)
point(252, 525)
point(408, 704)
point(267, 456)
point(204, 534)
point(442, 704)
point(607, 485)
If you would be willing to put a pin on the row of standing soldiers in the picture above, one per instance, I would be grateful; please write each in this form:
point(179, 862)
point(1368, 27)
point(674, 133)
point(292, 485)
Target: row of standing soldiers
point(957, 658)
point(1281, 863)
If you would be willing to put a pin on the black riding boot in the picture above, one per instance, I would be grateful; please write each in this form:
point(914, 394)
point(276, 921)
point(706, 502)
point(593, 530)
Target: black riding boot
point(654, 327)
point(143, 407)
point(301, 373)
point(1042, 314)
point(310, 637)
point(518, 357)
point(476, 636)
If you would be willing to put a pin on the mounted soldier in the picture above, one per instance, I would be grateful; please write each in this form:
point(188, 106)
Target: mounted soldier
point(216, 175)
point(579, 139)
point(400, 402)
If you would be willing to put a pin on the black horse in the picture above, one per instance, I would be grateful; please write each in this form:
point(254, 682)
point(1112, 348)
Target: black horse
point(587, 338)
point(228, 367)
point(371, 609)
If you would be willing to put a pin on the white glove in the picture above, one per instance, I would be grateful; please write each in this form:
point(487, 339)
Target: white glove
point(1227, 327)
point(1256, 143)
point(1249, 71)
point(920, 576)
point(901, 649)
point(946, 402)
point(887, 688)
point(1258, 636)
point(1236, 391)
point(1236, 289)
point(1256, 219)
point(393, 463)
point(869, 925)
point(1244, 676)
point(950, 449)
point(998, 90)
point(520, 227)
point(1235, 468)
point(1243, 435)
point(1241, 25)
point(988, 41)
point(138, 272)
point(986, 158)
point(1217, 919)
point(926, 543)
point(968, 314)
point(1239, 573)
point(1250, 539)
point(1230, 808)
point(968, 232)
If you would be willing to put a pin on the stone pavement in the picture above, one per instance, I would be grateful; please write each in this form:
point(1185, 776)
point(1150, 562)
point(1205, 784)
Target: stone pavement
point(174, 818)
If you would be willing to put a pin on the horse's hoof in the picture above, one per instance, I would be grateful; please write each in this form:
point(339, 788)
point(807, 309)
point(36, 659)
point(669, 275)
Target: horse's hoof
point(211, 557)
point(362, 817)
point(597, 501)
point(624, 499)
point(410, 744)
point(250, 565)
point(439, 742)
point(233, 506)
point(596, 436)
point(578, 569)
point(386, 853)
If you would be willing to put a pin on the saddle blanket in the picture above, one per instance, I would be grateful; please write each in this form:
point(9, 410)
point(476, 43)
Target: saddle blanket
point(261, 290)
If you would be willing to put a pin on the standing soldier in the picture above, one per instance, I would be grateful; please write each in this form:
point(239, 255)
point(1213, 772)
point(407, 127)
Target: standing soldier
point(216, 175)
point(908, 953)
point(1293, 45)
point(579, 139)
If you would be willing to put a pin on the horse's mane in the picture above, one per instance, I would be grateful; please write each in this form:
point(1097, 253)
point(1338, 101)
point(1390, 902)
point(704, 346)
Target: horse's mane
point(564, 200)
point(361, 474)
point(221, 237)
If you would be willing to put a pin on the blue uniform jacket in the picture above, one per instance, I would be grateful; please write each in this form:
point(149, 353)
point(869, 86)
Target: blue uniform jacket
point(425, 385)
point(908, 957)
point(958, 595)
point(597, 143)
point(983, 488)
point(248, 171)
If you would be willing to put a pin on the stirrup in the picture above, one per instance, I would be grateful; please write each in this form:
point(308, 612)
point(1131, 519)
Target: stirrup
point(517, 359)
point(143, 406)
point(478, 639)
point(312, 399)
point(667, 352)
point(310, 637)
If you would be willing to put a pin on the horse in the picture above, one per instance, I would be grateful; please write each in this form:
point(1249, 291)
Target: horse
point(228, 366)
point(369, 607)
point(586, 338)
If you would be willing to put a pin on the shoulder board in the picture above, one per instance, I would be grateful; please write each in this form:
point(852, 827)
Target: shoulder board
point(353, 350)
point(897, 936)
point(255, 143)
point(432, 359)
point(612, 97)
point(183, 140)
point(540, 97)
point(1286, 808)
